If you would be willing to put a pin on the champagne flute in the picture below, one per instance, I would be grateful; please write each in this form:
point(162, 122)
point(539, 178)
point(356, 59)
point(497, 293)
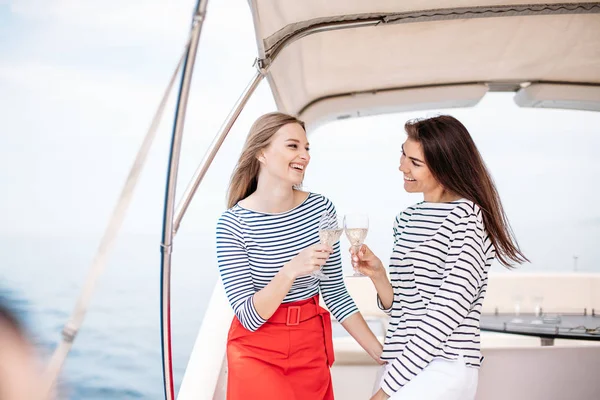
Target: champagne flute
point(356, 227)
point(330, 230)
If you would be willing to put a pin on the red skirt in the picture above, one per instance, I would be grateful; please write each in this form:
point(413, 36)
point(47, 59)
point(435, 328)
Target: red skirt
point(286, 358)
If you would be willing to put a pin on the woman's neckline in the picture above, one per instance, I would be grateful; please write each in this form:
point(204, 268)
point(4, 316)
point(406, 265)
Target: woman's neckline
point(308, 195)
point(461, 200)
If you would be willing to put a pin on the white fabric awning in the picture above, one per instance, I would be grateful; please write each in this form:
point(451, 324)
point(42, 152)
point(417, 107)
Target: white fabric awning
point(401, 46)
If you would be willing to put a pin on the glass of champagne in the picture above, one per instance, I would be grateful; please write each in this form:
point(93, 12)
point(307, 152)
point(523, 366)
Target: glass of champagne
point(330, 230)
point(356, 227)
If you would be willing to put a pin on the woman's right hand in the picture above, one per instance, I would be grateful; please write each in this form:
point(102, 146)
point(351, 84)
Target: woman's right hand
point(366, 262)
point(309, 260)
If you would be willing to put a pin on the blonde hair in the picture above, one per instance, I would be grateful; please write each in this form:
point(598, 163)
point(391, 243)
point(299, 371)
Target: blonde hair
point(245, 175)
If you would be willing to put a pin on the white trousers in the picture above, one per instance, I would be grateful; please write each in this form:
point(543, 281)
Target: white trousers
point(441, 379)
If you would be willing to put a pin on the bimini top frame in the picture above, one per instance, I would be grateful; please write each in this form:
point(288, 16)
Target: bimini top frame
point(353, 51)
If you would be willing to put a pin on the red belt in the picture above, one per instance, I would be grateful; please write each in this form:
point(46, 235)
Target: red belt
point(292, 314)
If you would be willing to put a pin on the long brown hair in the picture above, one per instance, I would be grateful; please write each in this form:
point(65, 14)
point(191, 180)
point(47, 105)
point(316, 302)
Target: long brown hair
point(245, 175)
point(456, 164)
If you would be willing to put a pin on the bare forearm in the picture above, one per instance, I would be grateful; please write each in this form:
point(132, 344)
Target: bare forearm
point(380, 395)
point(384, 289)
point(269, 298)
point(357, 327)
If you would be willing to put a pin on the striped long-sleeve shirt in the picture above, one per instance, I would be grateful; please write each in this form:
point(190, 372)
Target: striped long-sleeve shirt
point(253, 246)
point(438, 270)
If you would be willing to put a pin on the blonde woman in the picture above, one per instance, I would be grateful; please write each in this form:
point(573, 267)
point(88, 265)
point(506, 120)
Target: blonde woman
point(279, 344)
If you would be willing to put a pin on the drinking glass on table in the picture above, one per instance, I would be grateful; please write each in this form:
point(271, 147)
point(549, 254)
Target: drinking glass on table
point(330, 230)
point(356, 227)
point(517, 301)
point(537, 309)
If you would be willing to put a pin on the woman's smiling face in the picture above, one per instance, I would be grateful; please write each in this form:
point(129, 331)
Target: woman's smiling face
point(417, 176)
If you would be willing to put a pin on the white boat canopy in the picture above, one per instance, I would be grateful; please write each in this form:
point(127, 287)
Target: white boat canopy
point(339, 59)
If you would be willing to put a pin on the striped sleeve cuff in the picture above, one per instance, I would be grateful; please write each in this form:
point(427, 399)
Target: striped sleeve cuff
point(393, 381)
point(249, 317)
point(341, 317)
point(388, 311)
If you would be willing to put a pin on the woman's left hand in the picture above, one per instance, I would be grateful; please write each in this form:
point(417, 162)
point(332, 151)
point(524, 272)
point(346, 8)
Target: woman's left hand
point(366, 262)
point(380, 395)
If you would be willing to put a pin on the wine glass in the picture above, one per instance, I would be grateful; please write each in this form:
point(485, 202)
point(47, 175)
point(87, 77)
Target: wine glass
point(537, 309)
point(356, 227)
point(517, 300)
point(330, 230)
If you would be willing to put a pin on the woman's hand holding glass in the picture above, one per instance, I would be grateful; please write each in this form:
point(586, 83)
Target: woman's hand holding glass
point(366, 262)
point(308, 261)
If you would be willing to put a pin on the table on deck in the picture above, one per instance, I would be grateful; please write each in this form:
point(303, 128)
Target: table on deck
point(547, 327)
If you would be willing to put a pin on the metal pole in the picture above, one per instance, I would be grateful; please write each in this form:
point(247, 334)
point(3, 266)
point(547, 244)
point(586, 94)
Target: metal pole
point(167, 234)
point(215, 146)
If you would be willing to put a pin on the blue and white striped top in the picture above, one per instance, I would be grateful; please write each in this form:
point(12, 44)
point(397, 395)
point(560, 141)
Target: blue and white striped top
point(439, 272)
point(253, 246)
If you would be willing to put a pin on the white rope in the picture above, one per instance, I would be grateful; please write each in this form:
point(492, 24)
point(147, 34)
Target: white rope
point(98, 264)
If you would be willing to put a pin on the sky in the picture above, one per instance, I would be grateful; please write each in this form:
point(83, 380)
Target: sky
point(80, 81)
